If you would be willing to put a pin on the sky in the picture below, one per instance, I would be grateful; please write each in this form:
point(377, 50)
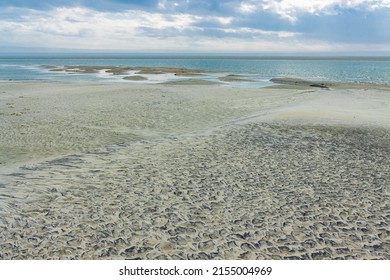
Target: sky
point(197, 26)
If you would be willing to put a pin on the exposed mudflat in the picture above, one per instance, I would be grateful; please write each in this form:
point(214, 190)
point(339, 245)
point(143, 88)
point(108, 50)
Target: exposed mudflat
point(173, 172)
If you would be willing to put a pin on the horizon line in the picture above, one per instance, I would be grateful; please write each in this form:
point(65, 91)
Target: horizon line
point(189, 55)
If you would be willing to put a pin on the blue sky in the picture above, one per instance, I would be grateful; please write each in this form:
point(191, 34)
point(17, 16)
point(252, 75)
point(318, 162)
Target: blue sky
point(225, 26)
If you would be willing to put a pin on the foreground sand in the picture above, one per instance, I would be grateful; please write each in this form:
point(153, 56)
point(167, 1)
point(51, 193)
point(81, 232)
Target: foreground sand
point(115, 171)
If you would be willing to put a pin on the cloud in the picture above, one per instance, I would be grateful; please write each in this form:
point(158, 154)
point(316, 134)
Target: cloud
point(189, 25)
point(259, 33)
point(291, 9)
point(248, 7)
point(69, 21)
point(85, 28)
point(170, 5)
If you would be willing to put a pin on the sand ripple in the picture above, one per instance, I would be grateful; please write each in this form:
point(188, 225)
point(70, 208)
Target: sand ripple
point(257, 191)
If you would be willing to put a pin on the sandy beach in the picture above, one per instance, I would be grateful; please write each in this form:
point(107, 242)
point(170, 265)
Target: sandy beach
point(94, 170)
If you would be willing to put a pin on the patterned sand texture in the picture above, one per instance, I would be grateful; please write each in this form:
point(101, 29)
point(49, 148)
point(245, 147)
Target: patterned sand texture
point(254, 188)
point(262, 191)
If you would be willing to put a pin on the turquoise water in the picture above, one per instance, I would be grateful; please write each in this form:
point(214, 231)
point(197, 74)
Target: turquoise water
point(261, 69)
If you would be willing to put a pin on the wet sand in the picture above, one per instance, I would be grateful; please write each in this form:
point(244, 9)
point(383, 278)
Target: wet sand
point(119, 171)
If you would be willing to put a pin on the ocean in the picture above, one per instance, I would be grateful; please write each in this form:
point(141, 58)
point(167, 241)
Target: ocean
point(258, 69)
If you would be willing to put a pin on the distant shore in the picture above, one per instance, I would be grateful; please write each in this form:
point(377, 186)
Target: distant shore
point(194, 170)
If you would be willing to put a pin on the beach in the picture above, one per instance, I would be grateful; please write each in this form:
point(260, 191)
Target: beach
point(194, 170)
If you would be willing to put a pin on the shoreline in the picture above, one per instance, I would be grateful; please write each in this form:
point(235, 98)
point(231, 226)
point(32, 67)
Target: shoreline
point(189, 77)
point(215, 172)
point(192, 76)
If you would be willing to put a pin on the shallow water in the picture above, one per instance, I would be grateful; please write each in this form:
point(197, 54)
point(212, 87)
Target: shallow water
point(260, 69)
